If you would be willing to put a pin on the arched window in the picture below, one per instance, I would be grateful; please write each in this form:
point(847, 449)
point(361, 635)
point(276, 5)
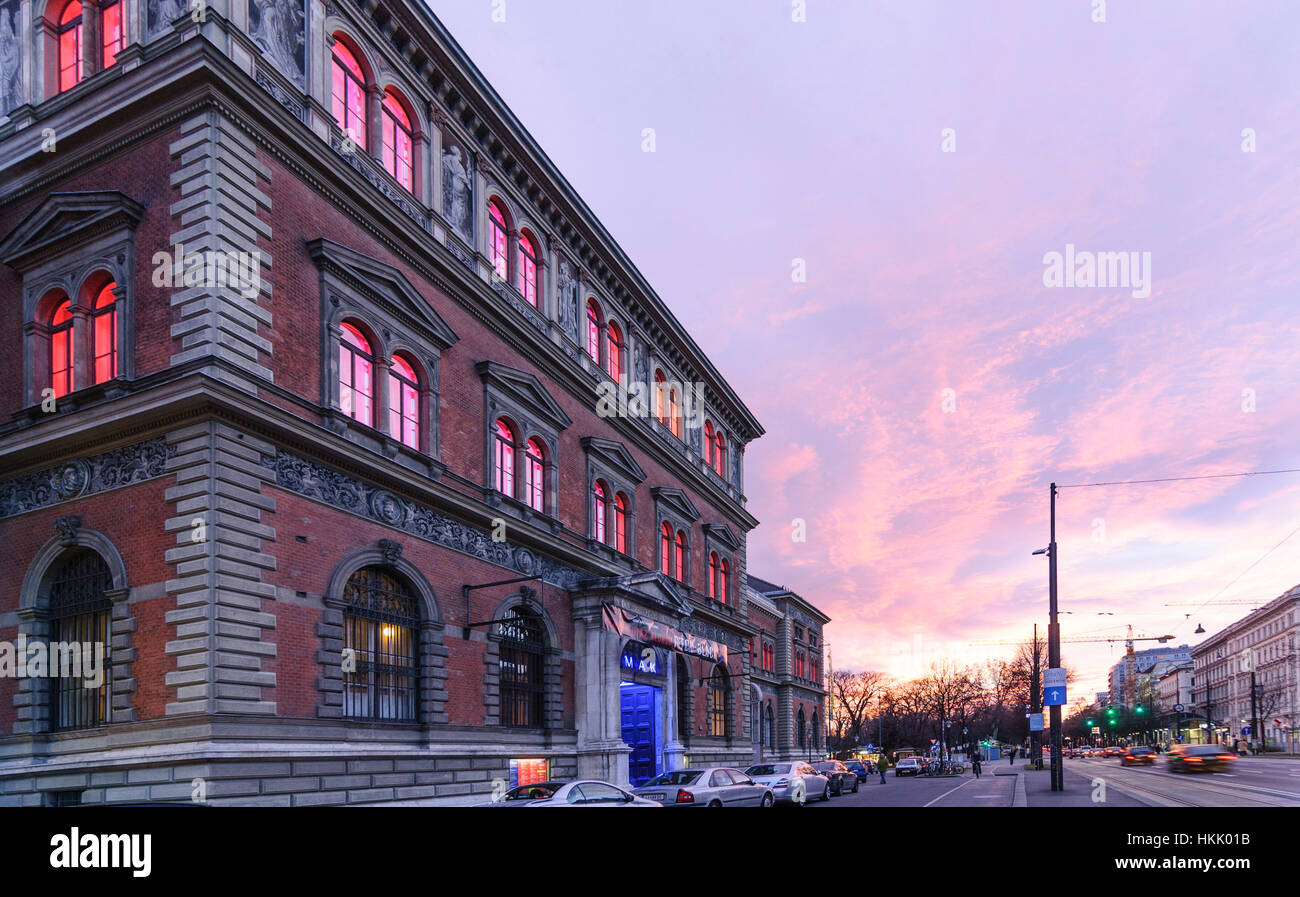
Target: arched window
point(535, 475)
point(722, 580)
point(614, 363)
point(380, 627)
point(356, 375)
point(498, 239)
point(661, 411)
point(720, 455)
point(62, 345)
point(708, 443)
point(816, 730)
point(521, 653)
point(398, 158)
point(801, 723)
point(769, 727)
point(112, 30)
point(674, 413)
point(719, 692)
point(403, 402)
point(529, 282)
point(593, 329)
point(503, 458)
point(104, 327)
point(348, 93)
point(713, 574)
point(598, 501)
point(681, 556)
point(620, 522)
point(69, 36)
point(79, 612)
point(665, 550)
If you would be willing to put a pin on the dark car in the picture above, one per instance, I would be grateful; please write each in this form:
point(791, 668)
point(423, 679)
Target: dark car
point(1199, 758)
point(1138, 756)
point(842, 778)
point(1113, 751)
point(859, 769)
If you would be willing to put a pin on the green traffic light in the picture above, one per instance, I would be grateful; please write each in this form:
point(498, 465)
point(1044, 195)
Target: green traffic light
point(1139, 709)
point(1089, 722)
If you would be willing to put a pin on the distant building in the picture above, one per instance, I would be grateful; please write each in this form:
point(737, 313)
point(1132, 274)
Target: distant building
point(1145, 663)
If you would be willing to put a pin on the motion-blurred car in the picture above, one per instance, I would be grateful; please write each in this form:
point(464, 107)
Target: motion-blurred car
point(707, 786)
point(1113, 751)
point(584, 793)
point(1138, 756)
point(842, 778)
point(794, 783)
point(1199, 758)
point(910, 766)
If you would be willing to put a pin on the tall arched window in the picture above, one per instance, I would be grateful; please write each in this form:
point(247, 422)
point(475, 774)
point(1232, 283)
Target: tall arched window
point(403, 402)
point(112, 31)
point(801, 724)
point(104, 327)
point(380, 626)
point(674, 413)
point(498, 239)
point(356, 375)
point(816, 730)
point(398, 158)
point(713, 574)
point(535, 475)
point(593, 329)
point(661, 387)
point(348, 93)
point(79, 612)
point(69, 36)
point(719, 689)
point(598, 509)
point(614, 363)
point(769, 727)
point(708, 442)
point(521, 665)
point(62, 350)
point(681, 556)
point(503, 458)
point(529, 282)
point(665, 550)
point(620, 522)
point(720, 455)
point(722, 580)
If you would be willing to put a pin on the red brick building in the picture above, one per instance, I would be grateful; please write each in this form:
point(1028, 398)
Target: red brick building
point(312, 352)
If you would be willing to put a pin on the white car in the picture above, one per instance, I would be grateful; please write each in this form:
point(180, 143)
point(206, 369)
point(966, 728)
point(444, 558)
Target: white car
point(791, 782)
point(908, 766)
point(585, 793)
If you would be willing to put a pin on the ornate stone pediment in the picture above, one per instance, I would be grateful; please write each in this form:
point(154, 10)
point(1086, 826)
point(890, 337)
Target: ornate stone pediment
point(525, 390)
point(382, 284)
point(615, 455)
point(675, 501)
point(646, 586)
point(723, 535)
point(66, 220)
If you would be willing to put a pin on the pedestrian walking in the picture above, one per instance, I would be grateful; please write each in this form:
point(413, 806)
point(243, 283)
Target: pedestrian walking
point(882, 764)
point(1011, 758)
point(975, 765)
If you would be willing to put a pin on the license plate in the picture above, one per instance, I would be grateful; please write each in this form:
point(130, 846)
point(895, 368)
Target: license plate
point(656, 795)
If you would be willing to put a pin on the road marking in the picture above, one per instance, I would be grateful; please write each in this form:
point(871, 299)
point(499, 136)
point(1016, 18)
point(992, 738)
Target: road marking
point(950, 791)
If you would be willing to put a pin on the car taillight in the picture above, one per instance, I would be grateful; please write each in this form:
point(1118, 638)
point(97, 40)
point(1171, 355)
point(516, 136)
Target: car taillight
point(781, 783)
point(685, 797)
point(1192, 759)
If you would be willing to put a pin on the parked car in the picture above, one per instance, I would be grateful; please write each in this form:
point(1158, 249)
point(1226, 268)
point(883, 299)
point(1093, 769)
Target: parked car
point(795, 783)
point(842, 778)
point(1199, 758)
point(707, 786)
point(1138, 756)
point(910, 766)
point(584, 793)
point(859, 769)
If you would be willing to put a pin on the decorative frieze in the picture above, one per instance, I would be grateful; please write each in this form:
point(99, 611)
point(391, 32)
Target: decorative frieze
point(85, 476)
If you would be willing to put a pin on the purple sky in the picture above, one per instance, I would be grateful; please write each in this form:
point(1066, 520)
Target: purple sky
point(821, 140)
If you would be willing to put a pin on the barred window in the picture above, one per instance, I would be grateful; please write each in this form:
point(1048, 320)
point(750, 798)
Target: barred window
point(379, 627)
point(801, 724)
point(79, 612)
point(521, 653)
point(769, 726)
point(718, 692)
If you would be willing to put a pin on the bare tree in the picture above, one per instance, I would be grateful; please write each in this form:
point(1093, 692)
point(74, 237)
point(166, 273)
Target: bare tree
point(854, 695)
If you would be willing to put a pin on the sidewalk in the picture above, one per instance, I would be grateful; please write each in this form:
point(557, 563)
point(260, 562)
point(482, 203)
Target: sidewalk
point(1078, 791)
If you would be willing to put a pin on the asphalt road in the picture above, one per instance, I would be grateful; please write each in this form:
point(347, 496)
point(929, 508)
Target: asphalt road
point(923, 791)
point(1249, 782)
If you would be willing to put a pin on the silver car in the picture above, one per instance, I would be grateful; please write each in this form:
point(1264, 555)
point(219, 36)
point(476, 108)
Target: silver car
point(792, 782)
point(585, 793)
point(706, 786)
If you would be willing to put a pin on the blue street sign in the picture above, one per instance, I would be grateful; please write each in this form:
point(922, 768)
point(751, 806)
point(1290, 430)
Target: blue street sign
point(1054, 697)
point(1245, 730)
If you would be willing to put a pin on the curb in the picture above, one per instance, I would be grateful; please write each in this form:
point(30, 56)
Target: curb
point(1019, 798)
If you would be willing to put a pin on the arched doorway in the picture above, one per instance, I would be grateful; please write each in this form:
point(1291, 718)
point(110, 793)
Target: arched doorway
point(643, 677)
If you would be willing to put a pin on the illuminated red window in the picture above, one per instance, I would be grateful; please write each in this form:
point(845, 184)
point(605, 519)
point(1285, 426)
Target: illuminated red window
point(708, 442)
point(356, 375)
point(681, 556)
point(722, 580)
point(593, 329)
point(674, 413)
point(503, 457)
point(529, 283)
point(798, 664)
point(348, 93)
point(69, 34)
point(620, 522)
point(660, 388)
point(403, 402)
point(614, 363)
point(398, 160)
point(720, 455)
point(498, 239)
point(665, 550)
point(713, 574)
point(769, 657)
point(104, 327)
point(111, 26)
point(535, 473)
point(61, 349)
point(598, 510)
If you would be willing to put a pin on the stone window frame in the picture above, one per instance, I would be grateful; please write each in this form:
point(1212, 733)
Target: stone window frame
point(673, 507)
point(524, 402)
point(397, 320)
point(552, 668)
point(431, 650)
point(32, 698)
point(610, 461)
point(719, 538)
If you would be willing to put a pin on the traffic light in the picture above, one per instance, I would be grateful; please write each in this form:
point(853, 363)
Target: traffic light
point(1089, 722)
point(1138, 709)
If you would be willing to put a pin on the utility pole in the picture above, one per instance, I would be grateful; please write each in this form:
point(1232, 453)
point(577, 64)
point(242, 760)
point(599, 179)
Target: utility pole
point(1036, 706)
point(1054, 654)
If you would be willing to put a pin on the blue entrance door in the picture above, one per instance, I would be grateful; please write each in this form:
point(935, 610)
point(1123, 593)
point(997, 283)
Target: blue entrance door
point(641, 712)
